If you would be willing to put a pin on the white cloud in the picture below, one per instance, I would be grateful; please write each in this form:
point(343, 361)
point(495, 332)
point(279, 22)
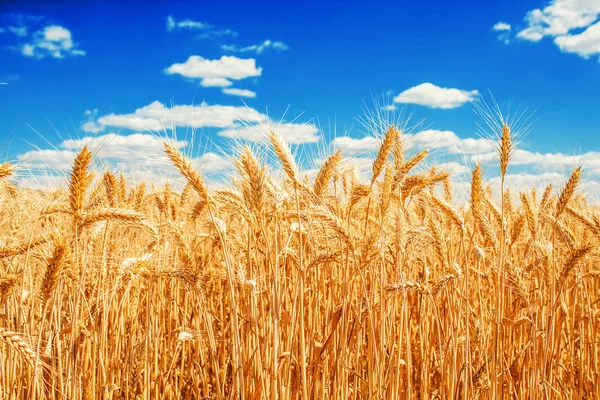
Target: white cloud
point(92, 127)
point(240, 92)
point(590, 160)
point(236, 122)
point(59, 160)
point(448, 141)
point(501, 26)
point(122, 147)
point(291, 132)
point(216, 82)
point(427, 139)
point(173, 24)
point(217, 72)
point(3, 83)
point(350, 145)
point(528, 181)
point(362, 165)
point(430, 95)
point(139, 156)
point(20, 31)
point(54, 41)
point(559, 18)
point(43, 182)
point(585, 44)
point(156, 117)
point(211, 162)
point(257, 48)
point(187, 24)
point(563, 20)
point(216, 33)
point(503, 30)
point(111, 146)
point(453, 168)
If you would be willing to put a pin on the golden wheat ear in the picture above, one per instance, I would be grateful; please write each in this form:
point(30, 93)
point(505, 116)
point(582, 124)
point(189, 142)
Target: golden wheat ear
point(80, 179)
point(326, 172)
point(17, 342)
point(184, 165)
point(506, 149)
point(6, 170)
point(384, 151)
point(283, 152)
point(567, 192)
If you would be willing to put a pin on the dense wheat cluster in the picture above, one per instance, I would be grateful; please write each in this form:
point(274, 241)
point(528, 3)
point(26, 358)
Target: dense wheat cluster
point(282, 287)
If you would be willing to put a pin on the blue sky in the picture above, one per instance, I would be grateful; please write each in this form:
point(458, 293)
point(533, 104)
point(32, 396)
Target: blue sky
point(76, 73)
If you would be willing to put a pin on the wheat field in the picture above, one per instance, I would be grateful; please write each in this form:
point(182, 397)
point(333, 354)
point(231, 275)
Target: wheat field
point(284, 287)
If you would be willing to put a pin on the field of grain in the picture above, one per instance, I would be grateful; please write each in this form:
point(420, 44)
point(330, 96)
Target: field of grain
point(281, 287)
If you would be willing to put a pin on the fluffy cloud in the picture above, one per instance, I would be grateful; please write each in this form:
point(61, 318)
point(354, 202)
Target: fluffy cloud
point(217, 72)
point(173, 24)
point(585, 44)
point(140, 156)
point(236, 122)
point(503, 30)
point(430, 95)
point(590, 160)
point(111, 146)
point(20, 31)
point(453, 168)
point(157, 117)
point(257, 48)
point(524, 157)
point(124, 147)
point(19, 24)
point(559, 18)
point(501, 26)
point(350, 145)
point(92, 127)
point(209, 31)
point(211, 163)
point(54, 41)
point(292, 132)
point(447, 141)
point(59, 160)
point(239, 92)
point(216, 82)
point(216, 33)
point(564, 21)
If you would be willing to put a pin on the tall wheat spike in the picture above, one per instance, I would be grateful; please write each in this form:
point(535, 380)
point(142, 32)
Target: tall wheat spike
point(284, 154)
point(326, 172)
point(385, 149)
point(184, 165)
point(80, 179)
point(567, 192)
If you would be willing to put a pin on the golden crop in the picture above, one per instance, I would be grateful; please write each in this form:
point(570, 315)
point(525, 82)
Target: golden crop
point(330, 288)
